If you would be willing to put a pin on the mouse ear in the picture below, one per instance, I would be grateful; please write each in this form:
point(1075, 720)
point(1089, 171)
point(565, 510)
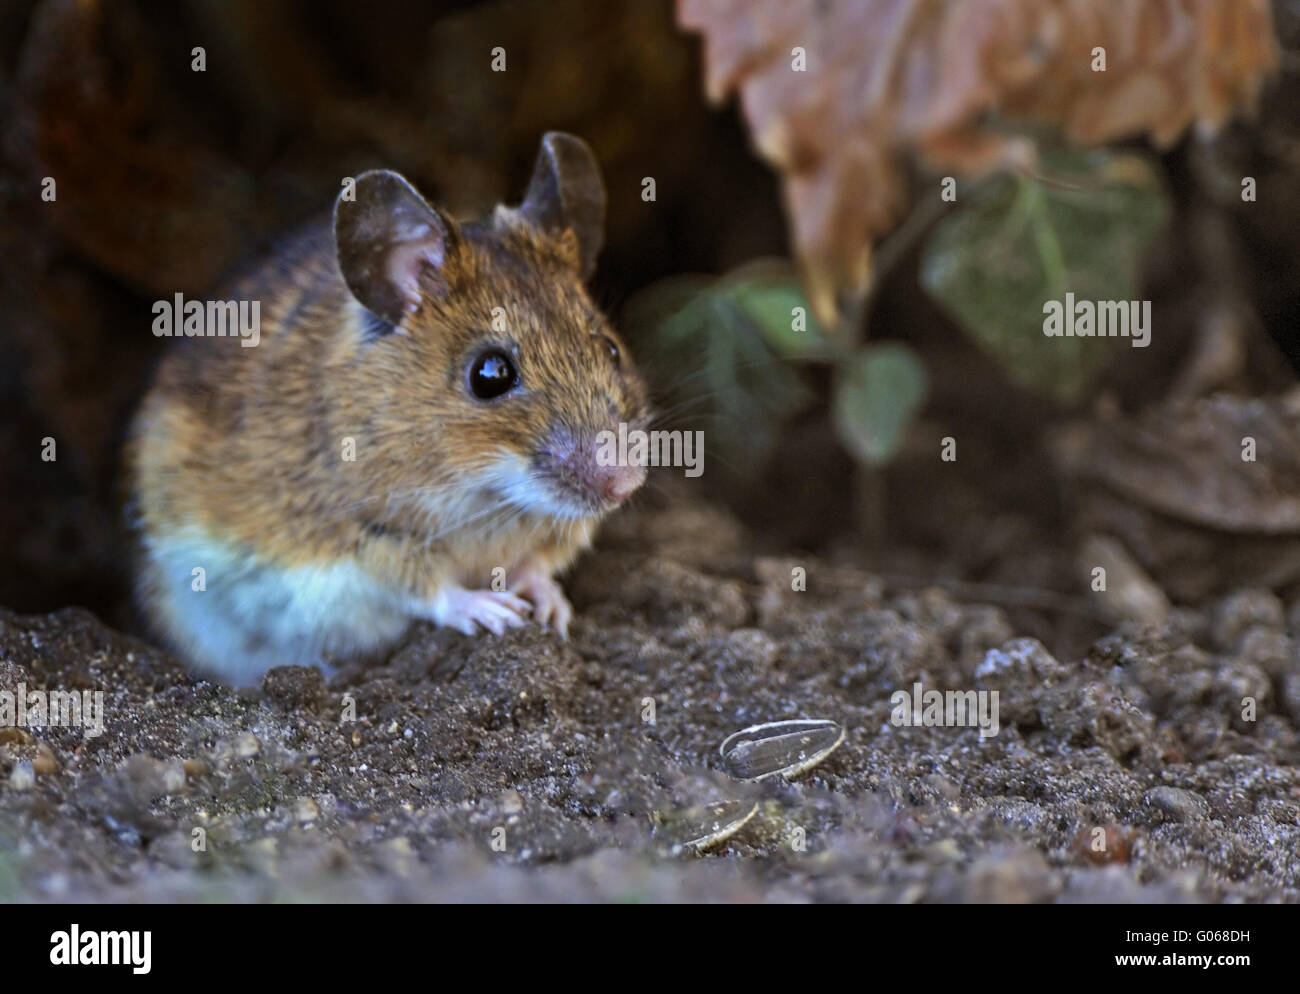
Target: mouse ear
point(386, 235)
point(567, 192)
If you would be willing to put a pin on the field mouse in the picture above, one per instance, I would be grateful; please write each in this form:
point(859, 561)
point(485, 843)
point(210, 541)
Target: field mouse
point(412, 437)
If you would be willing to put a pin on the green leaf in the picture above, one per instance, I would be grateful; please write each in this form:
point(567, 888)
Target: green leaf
point(878, 393)
point(726, 377)
point(781, 314)
point(995, 262)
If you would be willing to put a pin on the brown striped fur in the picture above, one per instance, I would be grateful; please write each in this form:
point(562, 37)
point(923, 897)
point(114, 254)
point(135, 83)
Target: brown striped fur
point(242, 448)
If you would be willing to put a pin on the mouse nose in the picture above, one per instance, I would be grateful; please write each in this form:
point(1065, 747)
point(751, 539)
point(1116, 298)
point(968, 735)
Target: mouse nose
point(585, 465)
point(617, 483)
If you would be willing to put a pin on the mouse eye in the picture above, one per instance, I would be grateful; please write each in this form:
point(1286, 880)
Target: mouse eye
point(491, 375)
point(611, 348)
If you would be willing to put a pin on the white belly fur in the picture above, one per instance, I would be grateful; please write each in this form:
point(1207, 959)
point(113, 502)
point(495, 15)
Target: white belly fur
point(252, 617)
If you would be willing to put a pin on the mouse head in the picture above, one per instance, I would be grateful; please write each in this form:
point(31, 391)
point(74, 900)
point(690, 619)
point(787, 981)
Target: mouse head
point(479, 345)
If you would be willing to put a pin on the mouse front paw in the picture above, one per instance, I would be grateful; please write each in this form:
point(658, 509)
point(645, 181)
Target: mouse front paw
point(468, 610)
point(551, 608)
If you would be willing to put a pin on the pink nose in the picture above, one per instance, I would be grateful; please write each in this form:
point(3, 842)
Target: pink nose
point(617, 483)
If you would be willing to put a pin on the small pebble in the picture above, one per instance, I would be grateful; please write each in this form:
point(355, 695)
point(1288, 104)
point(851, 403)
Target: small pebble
point(512, 802)
point(23, 777)
point(1022, 660)
point(173, 778)
point(943, 851)
point(290, 687)
point(1020, 877)
point(1270, 650)
point(1177, 804)
point(1101, 844)
point(1291, 696)
point(305, 809)
point(1246, 609)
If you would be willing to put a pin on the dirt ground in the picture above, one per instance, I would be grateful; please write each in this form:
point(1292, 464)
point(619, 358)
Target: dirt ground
point(524, 768)
point(1156, 762)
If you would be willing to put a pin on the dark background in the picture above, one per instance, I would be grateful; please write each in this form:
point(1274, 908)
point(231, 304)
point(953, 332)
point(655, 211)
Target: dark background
point(168, 177)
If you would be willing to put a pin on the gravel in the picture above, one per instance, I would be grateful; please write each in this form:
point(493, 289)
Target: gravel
point(525, 768)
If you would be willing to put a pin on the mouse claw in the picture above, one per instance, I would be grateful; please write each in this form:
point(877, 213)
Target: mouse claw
point(551, 609)
point(468, 610)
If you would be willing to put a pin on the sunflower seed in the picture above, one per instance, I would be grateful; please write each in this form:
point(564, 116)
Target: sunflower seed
point(706, 825)
point(780, 748)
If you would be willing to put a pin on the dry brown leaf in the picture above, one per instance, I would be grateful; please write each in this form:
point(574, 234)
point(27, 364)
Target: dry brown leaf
point(889, 80)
